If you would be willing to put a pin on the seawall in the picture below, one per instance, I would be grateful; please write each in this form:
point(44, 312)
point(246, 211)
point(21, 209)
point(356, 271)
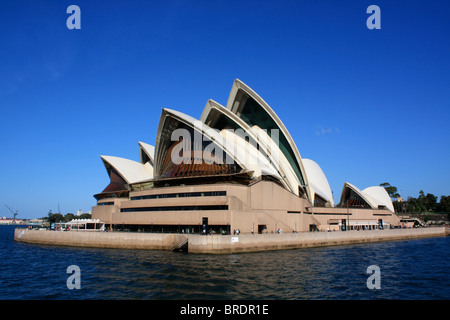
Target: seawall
point(218, 244)
point(119, 240)
point(263, 242)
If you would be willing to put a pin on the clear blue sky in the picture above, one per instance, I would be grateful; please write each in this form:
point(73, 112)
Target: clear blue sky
point(370, 106)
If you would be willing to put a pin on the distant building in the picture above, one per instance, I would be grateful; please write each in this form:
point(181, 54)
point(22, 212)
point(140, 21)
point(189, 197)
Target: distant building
point(263, 186)
point(80, 212)
point(5, 220)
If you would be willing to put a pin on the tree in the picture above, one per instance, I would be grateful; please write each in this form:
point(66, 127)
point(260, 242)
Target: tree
point(444, 204)
point(430, 202)
point(85, 216)
point(57, 217)
point(69, 216)
point(415, 205)
point(391, 190)
point(398, 206)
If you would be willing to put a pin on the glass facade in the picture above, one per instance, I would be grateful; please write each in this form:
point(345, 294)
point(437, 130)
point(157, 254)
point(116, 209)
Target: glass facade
point(109, 203)
point(181, 195)
point(198, 158)
point(117, 183)
point(144, 157)
point(353, 200)
point(253, 114)
point(319, 201)
point(176, 208)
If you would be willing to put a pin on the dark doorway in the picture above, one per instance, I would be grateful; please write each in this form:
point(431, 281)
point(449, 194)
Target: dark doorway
point(380, 224)
point(204, 225)
point(344, 225)
point(261, 228)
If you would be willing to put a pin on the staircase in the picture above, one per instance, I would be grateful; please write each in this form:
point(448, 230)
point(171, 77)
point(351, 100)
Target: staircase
point(182, 246)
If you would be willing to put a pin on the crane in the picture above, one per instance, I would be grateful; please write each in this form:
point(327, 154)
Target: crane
point(14, 213)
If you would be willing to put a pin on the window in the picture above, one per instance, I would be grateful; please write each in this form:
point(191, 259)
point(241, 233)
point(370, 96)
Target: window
point(181, 195)
point(109, 203)
point(319, 201)
point(253, 114)
point(353, 200)
point(176, 208)
point(197, 158)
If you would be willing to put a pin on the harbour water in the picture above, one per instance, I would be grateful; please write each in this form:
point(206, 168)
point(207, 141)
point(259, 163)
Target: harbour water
point(409, 270)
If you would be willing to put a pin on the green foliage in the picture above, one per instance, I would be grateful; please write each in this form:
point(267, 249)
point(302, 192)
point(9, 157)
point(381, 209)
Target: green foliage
point(58, 217)
point(423, 203)
point(398, 206)
point(391, 190)
point(427, 203)
point(444, 204)
point(85, 216)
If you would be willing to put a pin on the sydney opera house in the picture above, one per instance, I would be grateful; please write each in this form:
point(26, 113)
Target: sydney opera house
point(235, 168)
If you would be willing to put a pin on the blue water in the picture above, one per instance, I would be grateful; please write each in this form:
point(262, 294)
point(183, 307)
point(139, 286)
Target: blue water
point(413, 269)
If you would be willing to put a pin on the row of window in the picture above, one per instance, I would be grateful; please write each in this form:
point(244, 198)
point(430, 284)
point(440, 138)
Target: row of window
point(176, 208)
point(181, 195)
point(109, 203)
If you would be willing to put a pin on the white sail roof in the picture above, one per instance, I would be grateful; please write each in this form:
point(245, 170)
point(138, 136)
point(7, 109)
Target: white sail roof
point(149, 151)
point(375, 196)
point(131, 171)
point(364, 196)
point(249, 155)
point(261, 141)
point(380, 196)
point(236, 102)
point(277, 158)
point(206, 131)
point(265, 147)
point(318, 181)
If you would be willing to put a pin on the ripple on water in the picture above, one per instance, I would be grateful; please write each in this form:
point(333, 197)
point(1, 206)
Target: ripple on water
point(414, 269)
